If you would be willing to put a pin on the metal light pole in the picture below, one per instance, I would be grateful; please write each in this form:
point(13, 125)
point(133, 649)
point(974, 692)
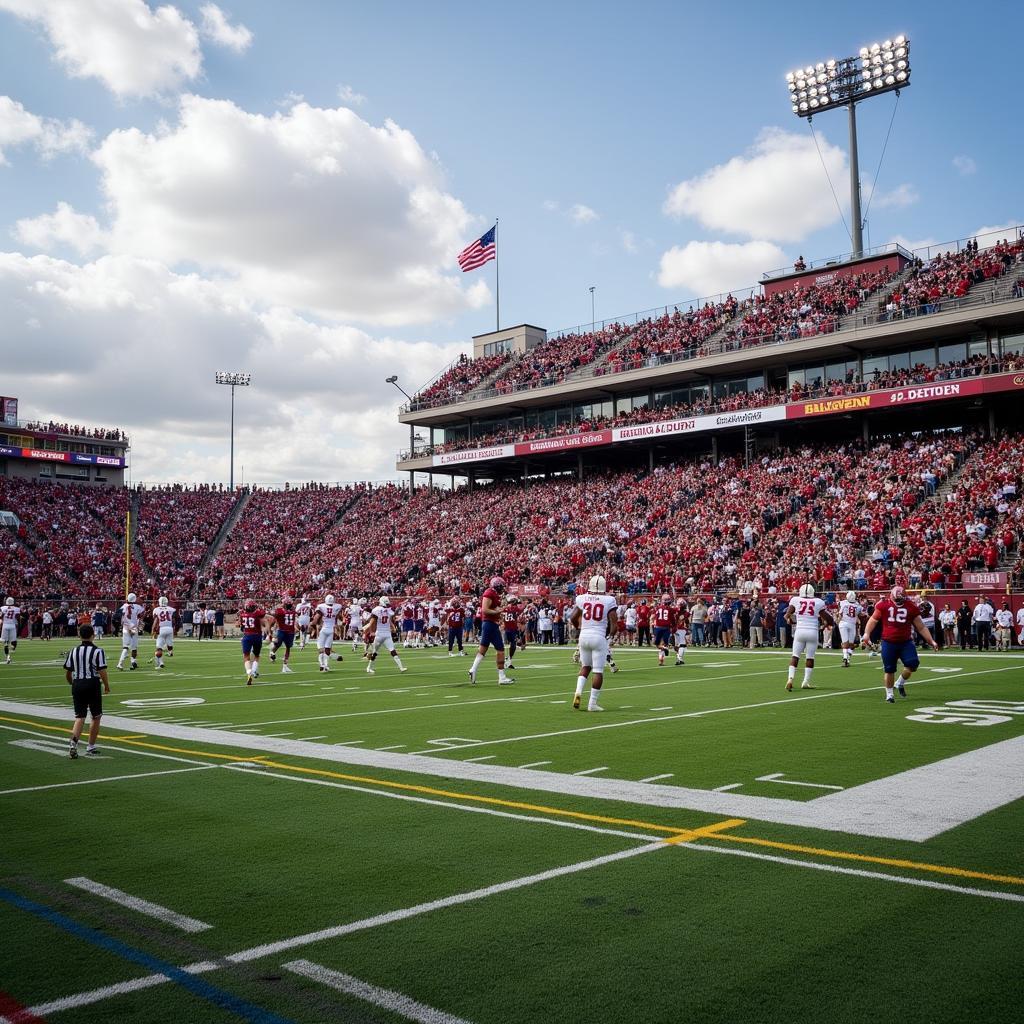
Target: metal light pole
point(593, 318)
point(412, 430)
point(878, 68)
point(233, 380)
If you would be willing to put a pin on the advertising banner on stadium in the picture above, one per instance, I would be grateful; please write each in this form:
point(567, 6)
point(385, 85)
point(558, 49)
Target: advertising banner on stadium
point(570, 442)
point(9, 411)
point(79, 458)
point(983, 581)
point(698, 424)
point(891, 397)
point(498, 451)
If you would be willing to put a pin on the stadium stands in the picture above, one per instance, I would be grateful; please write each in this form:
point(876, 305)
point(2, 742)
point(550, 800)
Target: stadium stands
point(175, 528)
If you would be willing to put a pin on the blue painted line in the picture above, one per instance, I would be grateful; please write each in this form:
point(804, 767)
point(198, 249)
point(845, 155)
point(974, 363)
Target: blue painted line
point(196, 985)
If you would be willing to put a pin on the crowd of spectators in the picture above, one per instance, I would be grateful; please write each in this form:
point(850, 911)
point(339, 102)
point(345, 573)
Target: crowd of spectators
point(461, 377)
point(555, 359)
point(950, 276)
point(851, 383)
point(278, 541)
point(71, 539)
point(97, 433)
point(175, 528)
point(917, 510)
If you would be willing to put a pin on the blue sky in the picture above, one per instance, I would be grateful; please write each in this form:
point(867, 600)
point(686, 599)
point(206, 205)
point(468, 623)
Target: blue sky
point(574, 123)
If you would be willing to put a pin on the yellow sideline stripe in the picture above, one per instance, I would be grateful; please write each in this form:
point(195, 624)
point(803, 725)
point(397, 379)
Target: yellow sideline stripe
point(674, 831)
point(893, 862)
point(676, 835)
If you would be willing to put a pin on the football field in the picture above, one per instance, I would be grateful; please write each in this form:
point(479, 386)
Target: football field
point(341, 846)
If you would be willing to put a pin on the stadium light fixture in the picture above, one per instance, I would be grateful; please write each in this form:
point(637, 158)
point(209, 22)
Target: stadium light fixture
point(233, 380)
point(876, 69)
point(394, 380)
point(593, 318)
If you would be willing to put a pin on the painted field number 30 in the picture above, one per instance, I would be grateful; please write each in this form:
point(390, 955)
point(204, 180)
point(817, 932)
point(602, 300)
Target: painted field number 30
point(970, 712)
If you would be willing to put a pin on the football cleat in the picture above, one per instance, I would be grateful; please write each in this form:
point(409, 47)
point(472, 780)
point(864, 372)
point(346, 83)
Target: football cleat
point(890, 699)
point(72, 750)
point(789, 686)
point(595, 707)
point(91, 751)
point(248, 680)
point(506, 681)
point(338, 657)
point(370, 670)
point(806, 686)
point(403, 669)
point(134, 665)
point(576, 702)
point(679, 661)
point(273, 656)
point(285, 668)
point(901, 689)
point(472, 679)
point(510, 665)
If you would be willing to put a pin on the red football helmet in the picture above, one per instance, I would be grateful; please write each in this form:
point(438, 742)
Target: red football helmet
point(497, 583)
point(898, 594)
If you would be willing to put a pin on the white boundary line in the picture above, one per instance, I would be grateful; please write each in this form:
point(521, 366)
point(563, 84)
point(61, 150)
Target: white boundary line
point(395, 1002)
point(141, 906)
point(108, 778)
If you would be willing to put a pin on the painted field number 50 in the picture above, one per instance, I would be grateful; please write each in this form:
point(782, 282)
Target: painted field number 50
point(970, 712)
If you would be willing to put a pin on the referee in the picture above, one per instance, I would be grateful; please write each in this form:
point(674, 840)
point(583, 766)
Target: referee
point(85, 668)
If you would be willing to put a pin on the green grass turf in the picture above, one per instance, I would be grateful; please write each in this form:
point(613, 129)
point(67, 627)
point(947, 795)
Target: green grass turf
point(669, 932)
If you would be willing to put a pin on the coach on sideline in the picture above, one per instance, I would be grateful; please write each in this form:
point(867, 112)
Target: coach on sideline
point(85, 668)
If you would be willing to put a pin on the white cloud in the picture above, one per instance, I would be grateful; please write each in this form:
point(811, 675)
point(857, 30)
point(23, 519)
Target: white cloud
point(708, 268)
point(348, 95)
point(964, 164)
point(552, 205)
point(310, 208)
point(318, 408)
point(989, 234)
point(217, 29)
point(777, 190)
point(63, 227)
point(629, 244)
point(914, 243)
point(580, 214)
point(49, 136)
point(132, 49)
point(900, 197)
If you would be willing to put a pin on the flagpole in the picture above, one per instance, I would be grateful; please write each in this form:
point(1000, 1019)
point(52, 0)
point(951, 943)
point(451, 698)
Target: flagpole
point(497, 279)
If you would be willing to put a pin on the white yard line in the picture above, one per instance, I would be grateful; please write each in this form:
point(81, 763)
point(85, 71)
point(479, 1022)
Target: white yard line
point(726, 788)
point(141, 906)
point(109, 778)
point(591, 771)
point(393, 1002)
point(656, 778)
point(485, 757)
point(777, 777)
point(534, 764)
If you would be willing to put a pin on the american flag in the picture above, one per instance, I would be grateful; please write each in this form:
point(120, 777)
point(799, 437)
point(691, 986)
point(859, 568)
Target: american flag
point(477, 253)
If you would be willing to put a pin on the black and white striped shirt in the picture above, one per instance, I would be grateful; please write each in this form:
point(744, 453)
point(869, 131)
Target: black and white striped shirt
point(85, 662)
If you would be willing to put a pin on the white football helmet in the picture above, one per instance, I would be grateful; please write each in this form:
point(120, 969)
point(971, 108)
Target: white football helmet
point(329, 599)
point(807, 590)
point(163, 602)
point(385, 601)
point(9, 602)
point(132, 598)
point(597, 585)
point(851, 597)
point(362, 602)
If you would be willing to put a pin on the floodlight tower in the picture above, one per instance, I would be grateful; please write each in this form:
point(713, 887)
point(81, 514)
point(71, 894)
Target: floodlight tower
point(233, 380)
point(878, 68)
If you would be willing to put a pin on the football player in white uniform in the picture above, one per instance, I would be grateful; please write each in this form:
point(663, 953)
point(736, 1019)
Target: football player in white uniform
point(303, 611)
point(595, 617)
point(355, 622)
point(804, 613)
point(9, 628)
point(849, 619)
point(163, 631)
point(327, 618)
point(131, 622)
point(378, 634)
